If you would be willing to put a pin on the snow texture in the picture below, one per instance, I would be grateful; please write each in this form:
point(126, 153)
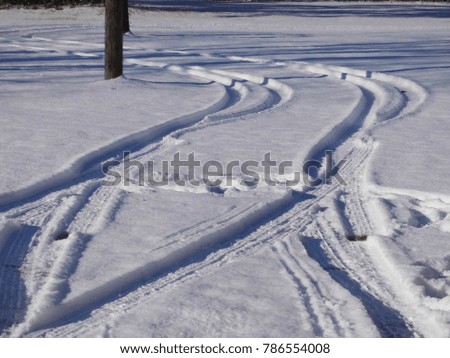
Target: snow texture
point(228, 82)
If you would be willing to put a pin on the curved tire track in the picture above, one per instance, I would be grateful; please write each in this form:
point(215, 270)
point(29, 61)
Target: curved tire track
point(225, 110)
point(383, 100)
point(294, 221)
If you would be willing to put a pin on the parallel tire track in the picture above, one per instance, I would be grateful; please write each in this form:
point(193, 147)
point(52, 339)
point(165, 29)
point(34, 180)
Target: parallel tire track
point(236, 90)
point(294, 221)
point(385, 101)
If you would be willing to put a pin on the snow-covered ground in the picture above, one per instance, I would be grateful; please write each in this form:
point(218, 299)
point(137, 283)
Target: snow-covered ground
point(370, 82)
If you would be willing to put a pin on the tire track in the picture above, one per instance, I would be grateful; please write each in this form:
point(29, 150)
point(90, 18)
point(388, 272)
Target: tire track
point(323, 315)
point(377, 108)
point(289, 220)
point(294, 221)
point(13, 295)
point(236, 92)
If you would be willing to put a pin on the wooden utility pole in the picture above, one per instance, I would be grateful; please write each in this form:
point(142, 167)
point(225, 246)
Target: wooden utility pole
point(113, 38)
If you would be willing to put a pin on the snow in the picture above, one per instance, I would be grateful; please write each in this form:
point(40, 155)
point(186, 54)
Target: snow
point(232, 83)
point(77, 145)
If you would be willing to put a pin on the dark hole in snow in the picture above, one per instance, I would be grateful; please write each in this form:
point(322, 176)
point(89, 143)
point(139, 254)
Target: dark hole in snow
point(216, 190)
point(357, 237)
point(62, 235)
